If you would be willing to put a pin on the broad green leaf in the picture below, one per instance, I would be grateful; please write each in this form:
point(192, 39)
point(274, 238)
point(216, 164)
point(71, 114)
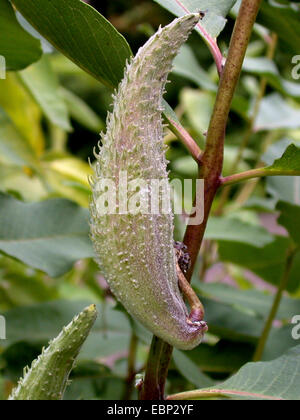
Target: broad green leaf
point(255, 301)
point(290, 219)
point(267, 262)
point(267, 68)
point(190, 370)
point(186, 65)
point(42, 83)
point(81, 112)
point(23, 111)
point(275, 380)
point(216, 11)
point(235, 230)
point(284, 20)
point(49, 236)
point(82, 34)
point(275, 113)
point(276, 151)
point(14, 148)
point(285, 188)
point(290, 160)
point(17, 47)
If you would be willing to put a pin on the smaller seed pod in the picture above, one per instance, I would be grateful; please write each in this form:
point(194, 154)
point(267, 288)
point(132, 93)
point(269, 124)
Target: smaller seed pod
point(135, 250)
point(47, 378)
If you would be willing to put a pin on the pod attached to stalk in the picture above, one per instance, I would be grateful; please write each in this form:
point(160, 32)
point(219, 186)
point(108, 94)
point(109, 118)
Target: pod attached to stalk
point(132, 241)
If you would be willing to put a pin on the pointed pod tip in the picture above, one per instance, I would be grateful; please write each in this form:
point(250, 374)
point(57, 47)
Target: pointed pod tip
point(91, 308)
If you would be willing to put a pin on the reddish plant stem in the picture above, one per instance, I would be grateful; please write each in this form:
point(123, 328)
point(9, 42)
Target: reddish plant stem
point(156, 370)
point(212, 161)
point(131, 372)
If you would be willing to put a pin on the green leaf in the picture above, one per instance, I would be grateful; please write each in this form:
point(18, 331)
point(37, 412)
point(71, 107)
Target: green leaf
point(275, 113)
point(17, 46)
point(267, 262)
point(290, 160)
point(267, 68)
point(20, 287)
point(214, 20)
point(275, 380)
point(49, 236)
point(186, 65)
point(223, 357)
point(290, 219)
point(190, 370)
point(251, 300)
point(284, 20)
point(42, 83)
point(82, 34)
point(14, 148)
point(231, 229)
point(81, 112)
point(24, 113)
point(285, 188)
point(229, 323)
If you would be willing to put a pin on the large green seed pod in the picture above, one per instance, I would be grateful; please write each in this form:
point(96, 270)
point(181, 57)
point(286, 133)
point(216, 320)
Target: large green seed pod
point(135, 251)
point(47, 379)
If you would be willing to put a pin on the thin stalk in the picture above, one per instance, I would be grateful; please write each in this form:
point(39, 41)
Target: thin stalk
point(131, 372)
point(281, 288)
point(156, 370)
point(186, 139)
point(256, 173)
point(212, 161)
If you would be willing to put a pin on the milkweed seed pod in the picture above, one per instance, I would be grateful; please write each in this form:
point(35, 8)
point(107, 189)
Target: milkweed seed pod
point(48, 376)
point(135, 250)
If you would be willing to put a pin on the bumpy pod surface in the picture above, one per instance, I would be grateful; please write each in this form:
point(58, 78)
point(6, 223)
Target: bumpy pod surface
point(47, 378)
point(135, 251)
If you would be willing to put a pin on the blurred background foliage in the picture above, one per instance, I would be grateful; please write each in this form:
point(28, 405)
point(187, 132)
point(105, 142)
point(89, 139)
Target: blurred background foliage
point(51, 113)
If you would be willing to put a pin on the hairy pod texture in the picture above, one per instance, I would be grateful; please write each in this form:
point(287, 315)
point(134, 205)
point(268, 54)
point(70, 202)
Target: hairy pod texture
point(48, 376)
point(135, 251)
